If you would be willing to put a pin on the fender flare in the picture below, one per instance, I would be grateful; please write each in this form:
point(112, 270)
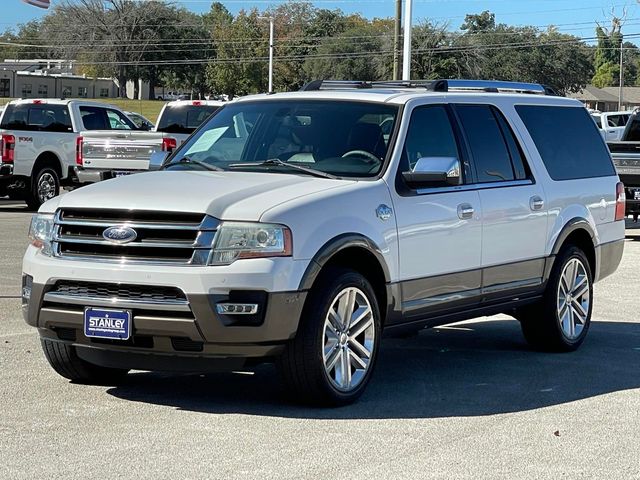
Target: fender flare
point(336, 245)
point(571, 226)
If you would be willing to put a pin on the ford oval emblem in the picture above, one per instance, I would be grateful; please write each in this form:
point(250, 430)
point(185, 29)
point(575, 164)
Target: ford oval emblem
point(120, 234)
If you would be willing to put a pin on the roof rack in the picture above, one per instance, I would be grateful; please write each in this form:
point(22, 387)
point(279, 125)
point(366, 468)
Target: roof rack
point(432, 85)
point(490, 86)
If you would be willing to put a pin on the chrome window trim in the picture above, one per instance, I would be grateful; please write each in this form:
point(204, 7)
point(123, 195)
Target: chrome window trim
point(475, 186)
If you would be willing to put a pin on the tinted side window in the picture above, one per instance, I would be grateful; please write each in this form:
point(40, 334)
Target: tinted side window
point(429, 135)
point(94, 118)
point(568, 141)
point(37, 118)
point(488, 147)
point(184, 118)
point(518, 162)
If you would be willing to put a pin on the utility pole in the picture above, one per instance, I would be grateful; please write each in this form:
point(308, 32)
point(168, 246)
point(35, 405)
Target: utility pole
point(396, 40)
point(621, 75)
point(406, 56)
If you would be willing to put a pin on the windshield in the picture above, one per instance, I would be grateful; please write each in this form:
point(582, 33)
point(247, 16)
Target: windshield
point(184, 118)
point(337, 137)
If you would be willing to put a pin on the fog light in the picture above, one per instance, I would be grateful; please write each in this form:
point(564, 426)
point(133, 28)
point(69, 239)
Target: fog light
point(237, 308)
point(27, 284)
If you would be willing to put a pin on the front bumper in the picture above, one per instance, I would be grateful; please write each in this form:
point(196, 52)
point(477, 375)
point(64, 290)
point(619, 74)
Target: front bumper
point(194, 329)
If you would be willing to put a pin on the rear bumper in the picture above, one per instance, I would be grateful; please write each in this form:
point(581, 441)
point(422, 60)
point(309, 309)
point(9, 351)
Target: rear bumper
point(6, 169)
point(610, 255)
point(94, 176)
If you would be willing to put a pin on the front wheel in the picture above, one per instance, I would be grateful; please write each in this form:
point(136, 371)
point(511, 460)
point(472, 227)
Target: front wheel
point(561, 320)
point(331, 359)
point(65, 361)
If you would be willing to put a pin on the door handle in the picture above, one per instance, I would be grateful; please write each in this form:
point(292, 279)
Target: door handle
point(536, 203)
point(465, 211)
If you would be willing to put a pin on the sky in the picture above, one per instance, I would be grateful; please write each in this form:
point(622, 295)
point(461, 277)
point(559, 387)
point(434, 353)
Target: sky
point(576, 17)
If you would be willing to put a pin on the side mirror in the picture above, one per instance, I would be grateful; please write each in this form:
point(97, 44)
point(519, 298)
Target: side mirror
point(157, 160)
point(434, 172)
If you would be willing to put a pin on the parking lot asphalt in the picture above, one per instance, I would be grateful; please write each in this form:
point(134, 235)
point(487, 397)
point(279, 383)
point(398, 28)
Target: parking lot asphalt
point(464, 401)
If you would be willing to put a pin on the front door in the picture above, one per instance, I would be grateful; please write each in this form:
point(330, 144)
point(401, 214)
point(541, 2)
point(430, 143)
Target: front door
point(439, 229)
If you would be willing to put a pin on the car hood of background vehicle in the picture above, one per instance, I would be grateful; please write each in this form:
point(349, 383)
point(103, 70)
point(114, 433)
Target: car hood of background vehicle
point(224, 195)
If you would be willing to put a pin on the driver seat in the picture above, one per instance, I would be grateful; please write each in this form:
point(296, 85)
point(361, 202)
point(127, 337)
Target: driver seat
point(367, 137)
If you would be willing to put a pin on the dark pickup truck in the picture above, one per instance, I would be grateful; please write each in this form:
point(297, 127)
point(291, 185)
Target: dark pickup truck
point(626, 157)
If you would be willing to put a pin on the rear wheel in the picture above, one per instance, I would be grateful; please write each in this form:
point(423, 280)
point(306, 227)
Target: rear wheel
point(44, 186)
point(560, 321)
point(65, 361)
point(331, 359)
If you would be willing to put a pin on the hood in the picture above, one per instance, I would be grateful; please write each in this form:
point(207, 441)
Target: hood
point(241, 196)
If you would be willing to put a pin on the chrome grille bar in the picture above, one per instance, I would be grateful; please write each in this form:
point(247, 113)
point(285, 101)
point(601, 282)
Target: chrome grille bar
point(161, 238)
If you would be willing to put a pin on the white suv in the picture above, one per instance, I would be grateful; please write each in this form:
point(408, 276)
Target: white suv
point(290, 227)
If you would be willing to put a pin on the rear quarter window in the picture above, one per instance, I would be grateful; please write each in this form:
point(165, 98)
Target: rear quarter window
point(568, 141)
point(39, 117)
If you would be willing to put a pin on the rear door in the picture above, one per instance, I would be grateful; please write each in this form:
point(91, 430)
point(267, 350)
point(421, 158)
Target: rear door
point(514, 226)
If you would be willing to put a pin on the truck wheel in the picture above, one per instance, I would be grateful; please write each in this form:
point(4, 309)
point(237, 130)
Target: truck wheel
point(45, 185)
point(66, 362)
point(561, 320)
point(331, 358)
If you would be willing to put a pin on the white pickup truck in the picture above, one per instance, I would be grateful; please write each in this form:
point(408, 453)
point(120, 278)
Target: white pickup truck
point(108, 154)
point(611, 124)
point(39, 144)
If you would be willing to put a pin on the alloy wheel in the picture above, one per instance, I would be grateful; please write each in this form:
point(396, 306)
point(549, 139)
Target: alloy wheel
point(348, 339)
point(573, 299)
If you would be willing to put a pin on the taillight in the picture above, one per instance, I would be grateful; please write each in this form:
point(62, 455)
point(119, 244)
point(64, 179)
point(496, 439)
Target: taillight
point(620, 201)
point(8, 147)
point(168, 144)
point(79, 158)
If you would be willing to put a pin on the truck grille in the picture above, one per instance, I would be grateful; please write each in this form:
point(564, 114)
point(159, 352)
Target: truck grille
point(160, 237)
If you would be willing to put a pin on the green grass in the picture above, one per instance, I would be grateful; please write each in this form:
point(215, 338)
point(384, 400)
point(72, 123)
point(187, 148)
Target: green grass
point(148, 108)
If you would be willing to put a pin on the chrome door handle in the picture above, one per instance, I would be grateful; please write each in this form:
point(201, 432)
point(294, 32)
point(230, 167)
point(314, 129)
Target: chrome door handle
point(465, 211)
point(536, 203)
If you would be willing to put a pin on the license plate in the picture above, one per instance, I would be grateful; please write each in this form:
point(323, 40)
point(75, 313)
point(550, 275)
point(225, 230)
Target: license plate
point(122, 173)
point(636, 194)
point(107, 323)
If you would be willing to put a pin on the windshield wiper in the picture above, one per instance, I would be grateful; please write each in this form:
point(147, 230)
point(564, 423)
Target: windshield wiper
point(206, 166)
point(276, 162)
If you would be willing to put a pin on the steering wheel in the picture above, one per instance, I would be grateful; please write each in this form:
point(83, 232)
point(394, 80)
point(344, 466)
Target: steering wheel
point(371, 158)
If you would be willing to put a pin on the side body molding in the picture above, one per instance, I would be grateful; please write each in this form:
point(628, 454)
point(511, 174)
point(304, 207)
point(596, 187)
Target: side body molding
point(334, 246)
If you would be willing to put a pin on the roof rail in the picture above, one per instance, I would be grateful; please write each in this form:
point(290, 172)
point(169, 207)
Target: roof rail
point(493, 86)
point(432, 85)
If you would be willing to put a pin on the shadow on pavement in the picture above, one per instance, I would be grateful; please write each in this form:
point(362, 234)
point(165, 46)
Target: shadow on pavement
point(471, 369)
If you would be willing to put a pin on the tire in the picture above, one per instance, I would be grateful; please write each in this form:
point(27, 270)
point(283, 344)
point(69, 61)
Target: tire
point(554, 324)
point(302, 364)
point(44, 186)
point(65, 361)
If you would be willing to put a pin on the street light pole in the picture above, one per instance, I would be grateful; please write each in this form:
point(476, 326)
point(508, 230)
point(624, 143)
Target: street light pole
point(271, 45)
point(271, 40)
point(406, 56)
point(397, 31)
point(621, 75)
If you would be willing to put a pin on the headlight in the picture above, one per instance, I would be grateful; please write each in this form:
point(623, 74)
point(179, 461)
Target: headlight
point(235, 240)
point(41, 232)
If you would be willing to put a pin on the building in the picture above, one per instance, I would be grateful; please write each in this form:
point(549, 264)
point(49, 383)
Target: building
point(606, 99)
point(38, 78)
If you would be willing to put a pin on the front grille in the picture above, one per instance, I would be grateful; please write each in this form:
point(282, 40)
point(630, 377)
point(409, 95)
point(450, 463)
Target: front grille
point(143, 299)
point(109, 291)
point(160, 237)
